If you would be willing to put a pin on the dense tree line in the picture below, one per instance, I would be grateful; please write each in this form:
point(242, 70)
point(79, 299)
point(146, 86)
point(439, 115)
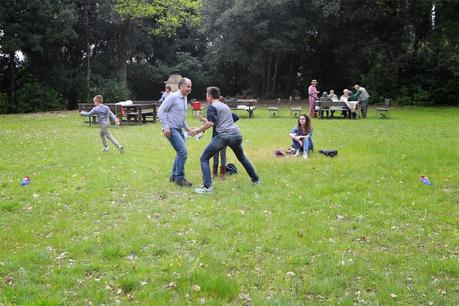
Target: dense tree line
point(54, 54)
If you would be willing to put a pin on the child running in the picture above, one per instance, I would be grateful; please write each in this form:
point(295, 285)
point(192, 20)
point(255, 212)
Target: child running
point(104, 114)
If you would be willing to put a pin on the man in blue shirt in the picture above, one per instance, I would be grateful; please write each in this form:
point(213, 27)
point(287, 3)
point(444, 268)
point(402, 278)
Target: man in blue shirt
point(228, 134)
point(172, 114)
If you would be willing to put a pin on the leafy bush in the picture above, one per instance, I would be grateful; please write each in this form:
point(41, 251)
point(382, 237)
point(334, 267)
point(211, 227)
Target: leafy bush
point(413, 95)
point(193, 68)
point(35, 97)
point(112, 91)
point(147, 81)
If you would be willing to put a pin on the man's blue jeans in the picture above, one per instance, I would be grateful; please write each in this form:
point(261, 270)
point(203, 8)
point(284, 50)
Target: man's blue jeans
point(217, 143)
point(177, 140)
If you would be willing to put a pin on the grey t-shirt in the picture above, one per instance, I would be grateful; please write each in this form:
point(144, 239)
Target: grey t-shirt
point(363, 94)
point(220, 114)
point(102, 112)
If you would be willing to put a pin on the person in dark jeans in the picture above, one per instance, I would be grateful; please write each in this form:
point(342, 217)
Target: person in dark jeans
point(172, 114)
point(227, 134)
point(222, 153)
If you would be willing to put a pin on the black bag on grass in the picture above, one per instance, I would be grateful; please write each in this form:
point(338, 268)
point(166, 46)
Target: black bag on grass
point(329, 153)
point(231, 169)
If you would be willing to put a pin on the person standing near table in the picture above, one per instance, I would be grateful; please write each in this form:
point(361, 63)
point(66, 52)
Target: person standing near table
point(362, 96)
point(313, 96)
point(172, 114)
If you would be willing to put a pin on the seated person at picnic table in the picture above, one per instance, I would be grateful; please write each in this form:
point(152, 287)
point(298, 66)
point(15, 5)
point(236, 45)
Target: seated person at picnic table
point(325, 97)
point(301, 136)
point(222, 152)
point(351, 104)
point(332, 96)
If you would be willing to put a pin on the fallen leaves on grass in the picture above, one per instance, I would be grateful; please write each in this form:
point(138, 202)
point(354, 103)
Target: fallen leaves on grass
point(132, 256)
point(196, 288)
point(61, 256)
point(245, 297)
point(9, 281)
point(171, 285)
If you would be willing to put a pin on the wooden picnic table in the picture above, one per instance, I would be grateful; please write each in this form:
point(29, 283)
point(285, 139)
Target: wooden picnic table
point(322, 106)
point(248, 105)
point(138, 112)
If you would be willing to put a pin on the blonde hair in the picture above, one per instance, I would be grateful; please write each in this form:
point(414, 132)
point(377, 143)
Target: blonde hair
point(98, 99)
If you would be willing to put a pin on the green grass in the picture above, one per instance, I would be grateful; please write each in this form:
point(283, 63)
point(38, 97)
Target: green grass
point(109, 228)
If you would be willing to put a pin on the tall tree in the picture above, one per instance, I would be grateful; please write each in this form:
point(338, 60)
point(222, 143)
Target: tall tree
point(164, 18)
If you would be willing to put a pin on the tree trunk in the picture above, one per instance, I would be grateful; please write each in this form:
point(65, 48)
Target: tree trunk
point(236, 77)
point(88, 53)
point(123, 53)
point(269, 74)
point(12, 91)
point(289, 75)
point(276, 66)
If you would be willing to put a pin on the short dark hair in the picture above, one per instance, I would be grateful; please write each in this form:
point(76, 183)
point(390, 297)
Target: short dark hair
point(214, 92)
point(182, 81)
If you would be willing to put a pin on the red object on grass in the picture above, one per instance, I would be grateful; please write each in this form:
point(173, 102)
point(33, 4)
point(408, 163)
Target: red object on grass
point(196, 106)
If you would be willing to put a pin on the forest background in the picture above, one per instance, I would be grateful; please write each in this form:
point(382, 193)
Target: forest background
point(55, 54)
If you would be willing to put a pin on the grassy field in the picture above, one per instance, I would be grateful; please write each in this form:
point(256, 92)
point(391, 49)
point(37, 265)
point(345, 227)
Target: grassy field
point(95, 228)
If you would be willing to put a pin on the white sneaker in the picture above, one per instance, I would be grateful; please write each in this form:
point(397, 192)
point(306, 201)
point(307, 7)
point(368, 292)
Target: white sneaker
point(305, 156)
point(203, 190)
point(297, 153)
point(105, 149)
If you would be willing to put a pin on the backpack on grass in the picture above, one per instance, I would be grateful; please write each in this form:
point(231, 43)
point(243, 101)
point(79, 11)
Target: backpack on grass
point(231, 169)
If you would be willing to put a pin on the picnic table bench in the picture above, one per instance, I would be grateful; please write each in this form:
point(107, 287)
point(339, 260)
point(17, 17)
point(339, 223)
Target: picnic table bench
point(139, 111)
point(322, 106)
point(248, 105)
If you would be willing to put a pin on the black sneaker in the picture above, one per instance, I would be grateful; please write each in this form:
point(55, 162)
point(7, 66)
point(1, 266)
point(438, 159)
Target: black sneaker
point(183, 183)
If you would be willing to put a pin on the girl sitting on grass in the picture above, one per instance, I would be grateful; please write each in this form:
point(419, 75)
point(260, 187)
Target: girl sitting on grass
point(301, 136)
